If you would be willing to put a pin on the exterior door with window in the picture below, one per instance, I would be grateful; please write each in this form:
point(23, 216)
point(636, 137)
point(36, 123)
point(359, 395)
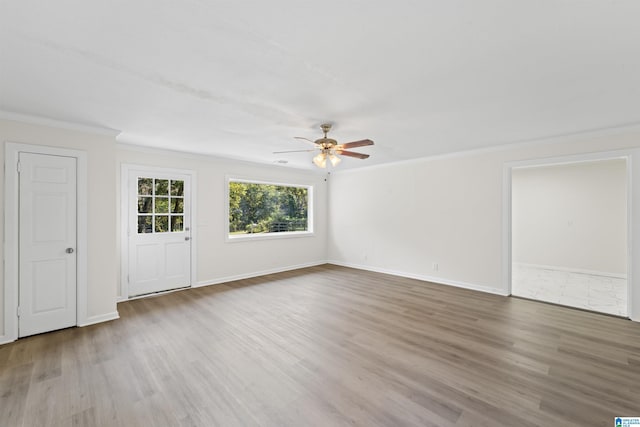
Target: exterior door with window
point(158, 232)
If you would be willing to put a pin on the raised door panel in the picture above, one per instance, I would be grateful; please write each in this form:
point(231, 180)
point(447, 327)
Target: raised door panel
point(47, 266)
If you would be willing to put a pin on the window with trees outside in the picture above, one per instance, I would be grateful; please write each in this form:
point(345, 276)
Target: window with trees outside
point(259, 208)
point(160, 205)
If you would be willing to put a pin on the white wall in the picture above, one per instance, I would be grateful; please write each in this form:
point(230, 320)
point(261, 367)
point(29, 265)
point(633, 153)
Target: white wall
point(100, 149)
point(217, 259)
point(402, 218)
point(571, 216)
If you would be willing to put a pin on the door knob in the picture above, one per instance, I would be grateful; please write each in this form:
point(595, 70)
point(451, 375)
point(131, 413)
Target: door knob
point(187, 238)
point(69, 250)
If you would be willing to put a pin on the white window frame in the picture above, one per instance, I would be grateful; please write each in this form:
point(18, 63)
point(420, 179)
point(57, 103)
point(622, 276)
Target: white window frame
point(265, 236)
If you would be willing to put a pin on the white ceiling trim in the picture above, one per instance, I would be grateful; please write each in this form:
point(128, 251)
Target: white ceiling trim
point(572, 137)
point(210, 157)
point(45, 121)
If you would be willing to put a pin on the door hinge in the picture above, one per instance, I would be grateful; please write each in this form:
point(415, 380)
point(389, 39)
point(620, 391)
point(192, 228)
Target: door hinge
point(128, 281)
point(18, 311)
point(18, 169)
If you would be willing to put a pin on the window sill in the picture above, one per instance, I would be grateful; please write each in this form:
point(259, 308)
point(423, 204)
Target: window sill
point(268, 236)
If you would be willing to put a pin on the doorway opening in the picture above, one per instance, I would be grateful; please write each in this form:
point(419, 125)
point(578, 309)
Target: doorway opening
point(569, 234)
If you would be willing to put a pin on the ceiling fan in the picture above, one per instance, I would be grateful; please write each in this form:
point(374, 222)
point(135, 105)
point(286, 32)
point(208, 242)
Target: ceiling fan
point(329, 148)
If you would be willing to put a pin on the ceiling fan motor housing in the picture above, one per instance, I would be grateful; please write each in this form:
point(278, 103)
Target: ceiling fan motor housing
point(326, 142)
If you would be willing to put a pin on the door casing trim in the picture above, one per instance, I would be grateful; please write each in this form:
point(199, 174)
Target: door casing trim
point(633, 224)
point(12, 238)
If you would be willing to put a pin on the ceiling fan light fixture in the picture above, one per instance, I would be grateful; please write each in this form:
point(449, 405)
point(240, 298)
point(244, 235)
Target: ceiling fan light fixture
point(328, 148)
point(320, 160)
point(334, 159)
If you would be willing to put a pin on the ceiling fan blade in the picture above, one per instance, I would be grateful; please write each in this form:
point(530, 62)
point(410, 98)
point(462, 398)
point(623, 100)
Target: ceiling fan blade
point(352, 154)
point(354, 144)
point(293, 151)
point(306, 139)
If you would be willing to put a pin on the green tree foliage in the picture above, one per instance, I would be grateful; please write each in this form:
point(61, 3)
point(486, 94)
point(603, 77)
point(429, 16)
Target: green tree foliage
point(259, 208)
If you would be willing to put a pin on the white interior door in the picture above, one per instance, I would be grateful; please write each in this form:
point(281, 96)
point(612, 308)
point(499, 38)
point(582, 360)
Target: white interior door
point(159, 232)
point(47, 243)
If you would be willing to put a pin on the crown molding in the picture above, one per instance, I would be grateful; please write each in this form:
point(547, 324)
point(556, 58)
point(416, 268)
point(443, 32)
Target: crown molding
point(46, 121)
point(127, 146)
point(526, 143)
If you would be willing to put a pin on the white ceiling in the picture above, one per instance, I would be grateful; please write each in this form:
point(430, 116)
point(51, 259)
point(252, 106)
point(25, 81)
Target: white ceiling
point(240, 79)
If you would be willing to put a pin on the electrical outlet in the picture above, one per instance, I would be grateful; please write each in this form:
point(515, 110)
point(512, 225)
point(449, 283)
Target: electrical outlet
point(435, 266)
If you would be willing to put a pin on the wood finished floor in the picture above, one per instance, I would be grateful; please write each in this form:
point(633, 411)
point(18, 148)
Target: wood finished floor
point(327, 346)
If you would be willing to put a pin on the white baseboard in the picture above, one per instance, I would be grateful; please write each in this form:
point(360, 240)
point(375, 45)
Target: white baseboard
point(573, 270)
point(438, 280)
point(432, 279)
point(92, 320)
point(5, 340)
point(226, 279)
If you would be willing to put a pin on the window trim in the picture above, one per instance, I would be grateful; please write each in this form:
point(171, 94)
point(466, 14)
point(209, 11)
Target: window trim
point(268, 236)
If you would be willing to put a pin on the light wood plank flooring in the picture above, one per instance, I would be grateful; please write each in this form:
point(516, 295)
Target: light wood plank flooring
point(327, 346)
